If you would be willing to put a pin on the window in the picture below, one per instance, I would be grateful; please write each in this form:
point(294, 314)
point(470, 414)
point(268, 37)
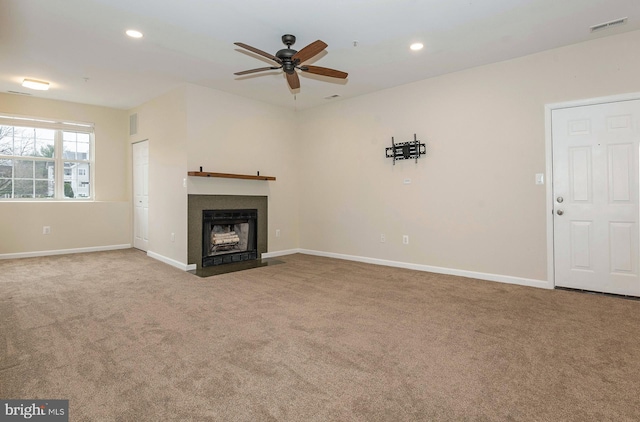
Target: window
point(41, 159)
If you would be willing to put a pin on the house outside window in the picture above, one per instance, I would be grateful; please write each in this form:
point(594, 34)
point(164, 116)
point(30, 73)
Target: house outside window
point(45, 160)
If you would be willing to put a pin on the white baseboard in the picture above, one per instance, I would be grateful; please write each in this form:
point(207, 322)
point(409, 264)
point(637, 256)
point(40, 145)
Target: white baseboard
point(172, 262)
point(63, 251)
point(427, 268)
point(280, 253)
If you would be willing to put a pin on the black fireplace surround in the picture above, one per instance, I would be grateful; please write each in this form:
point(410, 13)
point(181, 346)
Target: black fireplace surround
point(229, 236)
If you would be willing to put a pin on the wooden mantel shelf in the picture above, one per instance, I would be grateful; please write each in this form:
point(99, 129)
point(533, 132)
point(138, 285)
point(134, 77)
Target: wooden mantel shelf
point(229, 175)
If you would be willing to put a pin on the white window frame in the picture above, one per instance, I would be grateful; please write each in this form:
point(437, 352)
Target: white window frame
point(59, 126)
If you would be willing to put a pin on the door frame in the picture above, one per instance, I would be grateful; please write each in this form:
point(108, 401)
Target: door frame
point(548, 109)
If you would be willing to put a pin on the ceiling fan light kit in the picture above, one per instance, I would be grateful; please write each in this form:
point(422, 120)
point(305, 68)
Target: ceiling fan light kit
point(290, 60)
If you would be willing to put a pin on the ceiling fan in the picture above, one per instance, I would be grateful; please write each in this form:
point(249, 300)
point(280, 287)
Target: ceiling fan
point(290, 60)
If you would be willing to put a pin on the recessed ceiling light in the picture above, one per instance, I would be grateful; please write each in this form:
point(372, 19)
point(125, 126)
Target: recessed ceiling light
point(133, 33)
point(416, 46)
point(35, 84)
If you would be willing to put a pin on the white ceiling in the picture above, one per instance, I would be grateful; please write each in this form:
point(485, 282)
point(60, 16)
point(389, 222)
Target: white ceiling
point(80, 46)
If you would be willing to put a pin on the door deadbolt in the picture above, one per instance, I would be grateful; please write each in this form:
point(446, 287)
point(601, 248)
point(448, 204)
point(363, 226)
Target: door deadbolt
point(560, 200)
point(559, 212)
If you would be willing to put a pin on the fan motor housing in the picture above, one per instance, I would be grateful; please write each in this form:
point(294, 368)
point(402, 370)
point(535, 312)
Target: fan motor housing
point(285, 54)
point(288, 66)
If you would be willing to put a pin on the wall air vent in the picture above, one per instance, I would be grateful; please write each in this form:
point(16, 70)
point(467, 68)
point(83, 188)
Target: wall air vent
point(133, 124)
point(18, 92)
point(607, 25)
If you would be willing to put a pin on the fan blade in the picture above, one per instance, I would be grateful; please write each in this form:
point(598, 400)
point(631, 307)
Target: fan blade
point(309, 51)
point(260, 52)
point(324, 71)
point(293, 79)
point(262, 69)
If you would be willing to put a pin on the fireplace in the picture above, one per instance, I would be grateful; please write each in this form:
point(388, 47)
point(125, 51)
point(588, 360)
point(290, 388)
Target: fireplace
point(229, 236)
point(198, 204)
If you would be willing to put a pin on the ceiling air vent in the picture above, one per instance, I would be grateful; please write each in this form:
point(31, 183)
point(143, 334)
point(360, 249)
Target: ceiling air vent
point(607, 25)
point(331, 97)
point(18, 92)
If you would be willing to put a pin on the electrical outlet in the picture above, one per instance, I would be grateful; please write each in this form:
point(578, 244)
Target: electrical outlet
point(46, 229)
point(382, 238)
point(277, 232)
point(405, 239)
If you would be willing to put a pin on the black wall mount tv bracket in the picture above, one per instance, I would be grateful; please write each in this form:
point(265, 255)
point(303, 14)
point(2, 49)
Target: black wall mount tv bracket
point(406, 150)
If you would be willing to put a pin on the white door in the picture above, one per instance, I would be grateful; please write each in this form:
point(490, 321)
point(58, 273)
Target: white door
point(595, 192)
point(141, 195)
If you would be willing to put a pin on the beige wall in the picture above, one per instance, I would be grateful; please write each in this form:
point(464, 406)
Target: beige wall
point(194, 126)
point(231, 134)
point(74, 224)
point(163, 122)
point(472, 203)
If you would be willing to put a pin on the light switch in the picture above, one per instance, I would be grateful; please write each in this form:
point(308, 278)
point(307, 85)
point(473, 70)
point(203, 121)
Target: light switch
point(539, 179)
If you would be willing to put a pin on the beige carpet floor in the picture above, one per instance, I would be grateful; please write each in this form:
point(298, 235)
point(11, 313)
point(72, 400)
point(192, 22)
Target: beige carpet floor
point(127, 338)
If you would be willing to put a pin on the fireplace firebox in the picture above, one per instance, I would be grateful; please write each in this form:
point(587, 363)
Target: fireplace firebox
point(229, 236)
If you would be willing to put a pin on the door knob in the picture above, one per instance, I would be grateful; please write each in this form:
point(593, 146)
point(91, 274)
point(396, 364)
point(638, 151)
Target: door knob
point(559, 212)
point(560, 200)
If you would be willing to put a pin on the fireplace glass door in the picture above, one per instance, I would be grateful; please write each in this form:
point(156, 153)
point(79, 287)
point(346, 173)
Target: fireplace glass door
point(228, 236)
